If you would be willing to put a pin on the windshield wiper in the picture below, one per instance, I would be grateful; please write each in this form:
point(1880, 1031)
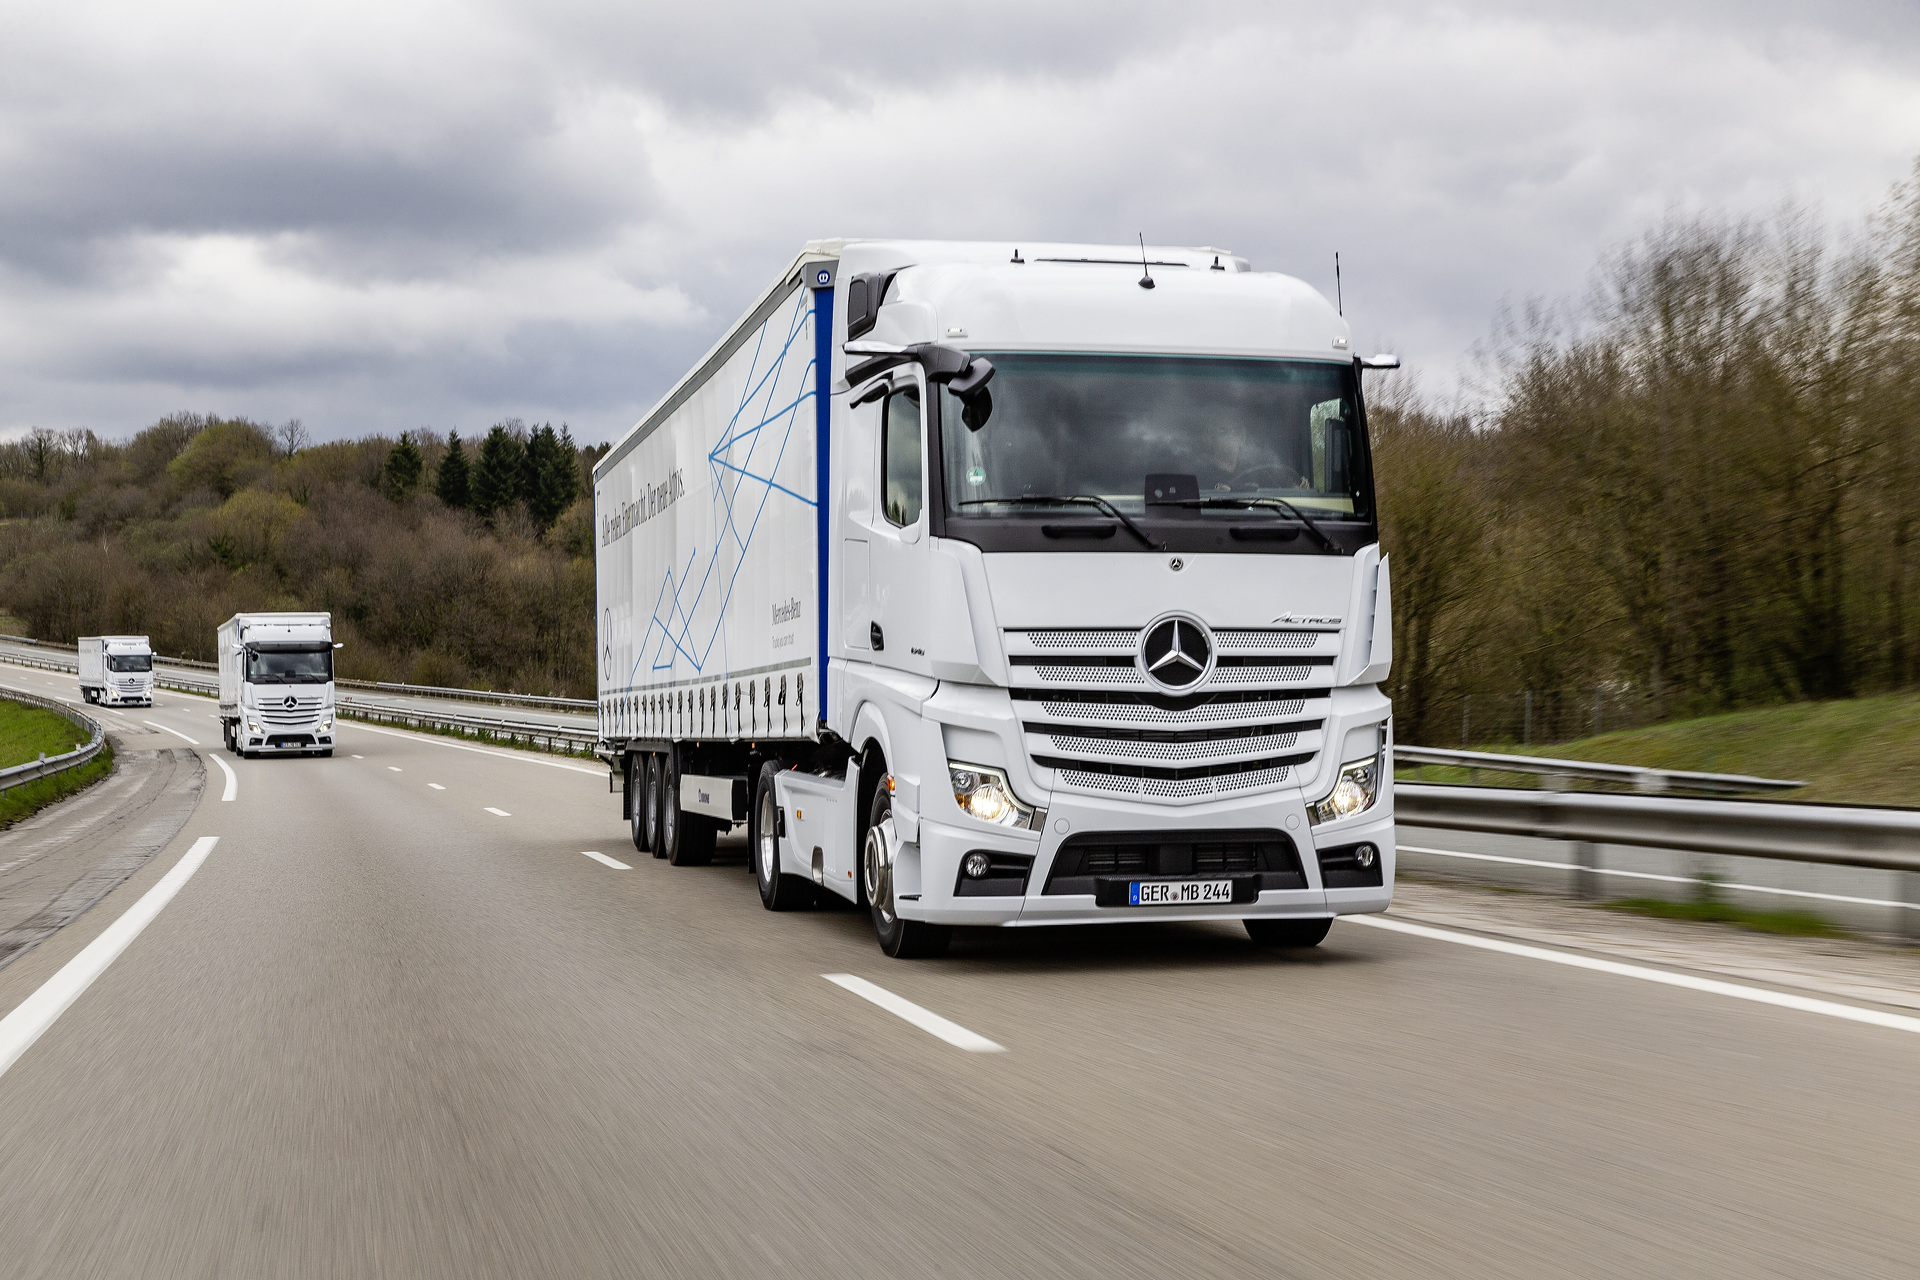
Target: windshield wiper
point(1277, 504)
point(1056, 499)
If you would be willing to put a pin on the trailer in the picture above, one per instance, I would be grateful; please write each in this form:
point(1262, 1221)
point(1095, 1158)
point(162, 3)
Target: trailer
point(1009, 585)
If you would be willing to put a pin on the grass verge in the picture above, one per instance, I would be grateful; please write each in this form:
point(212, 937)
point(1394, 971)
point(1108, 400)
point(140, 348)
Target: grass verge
point(26, 732)
point(29, 798)
point(1854, 751)
point(1799, 924)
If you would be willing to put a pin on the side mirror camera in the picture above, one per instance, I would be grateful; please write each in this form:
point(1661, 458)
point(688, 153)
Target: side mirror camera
point(340, 644)
point(969, 386)
point(863, 302)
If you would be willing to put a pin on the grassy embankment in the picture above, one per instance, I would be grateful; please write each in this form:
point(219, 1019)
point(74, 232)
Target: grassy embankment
point(1855, 751)
point(26, 732)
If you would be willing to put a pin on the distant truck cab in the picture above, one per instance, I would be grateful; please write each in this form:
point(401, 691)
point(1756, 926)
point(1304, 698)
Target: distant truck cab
point(1010, 585)
point(276, 683)
point(116, 671)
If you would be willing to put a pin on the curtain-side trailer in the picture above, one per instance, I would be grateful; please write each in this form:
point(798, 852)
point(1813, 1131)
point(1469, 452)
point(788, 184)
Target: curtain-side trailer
point(116, 670)
point(1010, 585)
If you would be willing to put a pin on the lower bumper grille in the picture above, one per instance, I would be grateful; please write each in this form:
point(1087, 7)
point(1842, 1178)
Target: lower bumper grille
point(1084, 861)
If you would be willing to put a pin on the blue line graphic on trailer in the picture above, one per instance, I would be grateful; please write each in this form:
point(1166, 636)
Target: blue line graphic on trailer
point(742, 466)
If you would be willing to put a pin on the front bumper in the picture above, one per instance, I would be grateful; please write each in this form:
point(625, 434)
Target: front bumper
point(941, 846)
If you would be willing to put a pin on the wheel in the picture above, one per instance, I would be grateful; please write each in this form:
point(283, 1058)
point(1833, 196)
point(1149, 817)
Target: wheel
point(326, 753)
point(650, 798)
point(637, 801)
point(901, 939)
point(1288, 933)
point(779, 891)
point(674, 844)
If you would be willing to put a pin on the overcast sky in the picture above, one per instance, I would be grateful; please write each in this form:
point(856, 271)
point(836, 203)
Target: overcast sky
point(376, 216)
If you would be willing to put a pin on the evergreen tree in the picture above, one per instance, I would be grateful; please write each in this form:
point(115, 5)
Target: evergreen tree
point(569, 470)
point(453, 484)
point(401, 474)
point(497, 472)
point(549, 476)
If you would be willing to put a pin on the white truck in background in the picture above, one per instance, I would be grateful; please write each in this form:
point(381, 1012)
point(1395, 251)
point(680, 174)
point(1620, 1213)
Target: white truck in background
point(276, 683)
point(116, 671)
point(1010, 585)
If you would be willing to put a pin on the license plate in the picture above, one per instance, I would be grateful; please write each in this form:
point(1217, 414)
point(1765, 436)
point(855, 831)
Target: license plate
point(1178, 893)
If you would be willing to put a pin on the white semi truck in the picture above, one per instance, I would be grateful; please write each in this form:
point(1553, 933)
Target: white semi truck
point(116, 671)
point(276, 683)
point(1010, 585)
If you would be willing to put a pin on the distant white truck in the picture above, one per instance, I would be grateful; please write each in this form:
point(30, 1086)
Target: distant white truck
point(116, 671)
point(276, 683)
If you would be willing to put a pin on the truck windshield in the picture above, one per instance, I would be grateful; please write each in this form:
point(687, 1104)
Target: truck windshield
point(129, 662)
point(271, 666)
point(1200, 427)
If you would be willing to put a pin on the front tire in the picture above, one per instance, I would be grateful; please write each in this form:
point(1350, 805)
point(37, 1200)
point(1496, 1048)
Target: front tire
point(1288, 933)
point(779, 891)
point(901, 939)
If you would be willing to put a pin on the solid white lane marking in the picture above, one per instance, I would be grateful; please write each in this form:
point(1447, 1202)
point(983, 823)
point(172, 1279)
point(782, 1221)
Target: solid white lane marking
point(1650, 875)
point(233, 783)
point(436, 786)
point(523, 756)
point(175, 732)
point(19, 1029)
point(1712, 986)
point(393, 768)
point(925, 1019)
point(498, 813)
point(615, 863)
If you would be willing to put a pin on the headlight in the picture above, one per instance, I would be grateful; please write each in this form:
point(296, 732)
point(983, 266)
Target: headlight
point(985, 794)
point(1353, 793)
point(252, 727)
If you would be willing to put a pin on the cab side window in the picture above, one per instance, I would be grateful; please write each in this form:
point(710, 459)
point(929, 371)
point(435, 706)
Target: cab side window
point(900, 456)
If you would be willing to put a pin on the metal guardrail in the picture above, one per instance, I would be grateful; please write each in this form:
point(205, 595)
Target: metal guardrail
point(1639, 778)
point(46, 765)
point(1837, 835)
point(556, 737)
point(476, 695)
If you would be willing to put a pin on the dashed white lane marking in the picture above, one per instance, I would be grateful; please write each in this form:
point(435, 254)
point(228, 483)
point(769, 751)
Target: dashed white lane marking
point(498, 813)
point(615, 863)
point(393, 768)
point(359, 757)
point(19, 1029)
point(233, 783)
point(925, 1019)
point(1650, 875)
point(1712, 986)
point(175, 732)
point(438, 741)
point(436, 786)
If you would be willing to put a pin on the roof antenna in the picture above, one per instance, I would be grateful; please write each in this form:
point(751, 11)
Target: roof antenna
point(1146, 276)
point(1017, 258)
point(1340, 301)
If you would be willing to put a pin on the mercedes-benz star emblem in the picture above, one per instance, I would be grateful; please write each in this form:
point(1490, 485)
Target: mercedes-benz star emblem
point(1176, 652)
point(292, 702)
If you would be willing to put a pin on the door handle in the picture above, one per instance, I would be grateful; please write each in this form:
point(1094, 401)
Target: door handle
point(876, 637)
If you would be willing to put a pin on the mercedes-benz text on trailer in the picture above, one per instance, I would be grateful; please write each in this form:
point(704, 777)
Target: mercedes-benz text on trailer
point(1010, 586)
point(116, 671)
point(276, 683)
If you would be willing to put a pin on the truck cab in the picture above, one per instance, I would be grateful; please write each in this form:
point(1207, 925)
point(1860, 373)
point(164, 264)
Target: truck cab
point(116, 671)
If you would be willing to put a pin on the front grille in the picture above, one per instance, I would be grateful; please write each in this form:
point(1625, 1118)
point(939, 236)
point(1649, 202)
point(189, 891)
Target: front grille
point(279, 715)
point(1267, 858)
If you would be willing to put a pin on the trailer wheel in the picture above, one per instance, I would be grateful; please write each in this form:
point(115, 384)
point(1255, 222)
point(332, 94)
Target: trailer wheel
point(636, 801)
point(690, 843)
point(901, 939)
point(1288, 933)
point(779, 891)
point(656, 838)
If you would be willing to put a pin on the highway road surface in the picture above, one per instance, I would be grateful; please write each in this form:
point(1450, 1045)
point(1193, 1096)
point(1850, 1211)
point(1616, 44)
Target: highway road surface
point(420, 1010)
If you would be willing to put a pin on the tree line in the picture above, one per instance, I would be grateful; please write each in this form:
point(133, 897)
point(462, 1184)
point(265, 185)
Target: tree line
point(440, 565)
point(1696, 489)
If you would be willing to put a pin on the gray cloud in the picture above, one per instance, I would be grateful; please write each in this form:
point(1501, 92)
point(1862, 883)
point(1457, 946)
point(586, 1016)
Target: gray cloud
point(379, 216)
